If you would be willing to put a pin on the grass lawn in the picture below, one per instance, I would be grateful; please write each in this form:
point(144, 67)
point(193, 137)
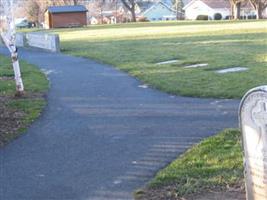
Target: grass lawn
point(135, 48)
point(214, 163)
point(17, 113)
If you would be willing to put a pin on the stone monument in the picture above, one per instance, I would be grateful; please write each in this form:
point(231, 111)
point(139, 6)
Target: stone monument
point(253, 123)
point(41, 40)
point(45, 41)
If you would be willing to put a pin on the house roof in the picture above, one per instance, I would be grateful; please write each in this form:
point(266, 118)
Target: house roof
point(66, 9)
point(155, 4)
point(144, 5)
point(246, 5)
point(217, 4)
point(186, 2)
point(212, 3)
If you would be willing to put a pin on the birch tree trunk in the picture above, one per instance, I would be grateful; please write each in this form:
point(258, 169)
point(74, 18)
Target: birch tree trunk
point(9, 39)
point(15, 62)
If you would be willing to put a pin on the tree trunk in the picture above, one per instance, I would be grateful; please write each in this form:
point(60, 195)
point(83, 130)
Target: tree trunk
point(15, 62)
point(177, 13)
point(130, 5)
point(259, 11)
point(259, 7)
point(237, 8)
point(232, 12)
point(133, 14)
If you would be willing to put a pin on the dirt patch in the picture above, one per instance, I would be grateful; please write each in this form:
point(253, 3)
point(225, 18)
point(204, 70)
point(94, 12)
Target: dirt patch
point(10, 120)
point(169, 193)
point(230, 194)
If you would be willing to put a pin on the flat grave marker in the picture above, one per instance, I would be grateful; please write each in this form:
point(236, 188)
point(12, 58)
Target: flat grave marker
point(167, 62)
point(196, 65)
point(231, 70)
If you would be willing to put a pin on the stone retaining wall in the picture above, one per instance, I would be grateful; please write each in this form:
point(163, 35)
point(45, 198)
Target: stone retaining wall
point(46, 41)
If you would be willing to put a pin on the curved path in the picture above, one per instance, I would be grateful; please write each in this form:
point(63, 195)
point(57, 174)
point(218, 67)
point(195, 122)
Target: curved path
point(102, 135)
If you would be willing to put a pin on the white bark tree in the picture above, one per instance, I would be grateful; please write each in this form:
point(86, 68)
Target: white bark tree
point(8, 35)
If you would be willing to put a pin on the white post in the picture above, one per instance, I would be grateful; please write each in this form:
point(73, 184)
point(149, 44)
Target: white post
point(9, 39)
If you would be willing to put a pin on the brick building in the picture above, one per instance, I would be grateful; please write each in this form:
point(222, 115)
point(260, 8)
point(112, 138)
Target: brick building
point(65, 16)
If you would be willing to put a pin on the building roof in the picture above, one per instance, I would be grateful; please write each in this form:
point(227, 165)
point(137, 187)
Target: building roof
point(155, 4)
point(66, 9)
point(211, 3)
point(217, 4)
point(186, 2)
point(144, 5)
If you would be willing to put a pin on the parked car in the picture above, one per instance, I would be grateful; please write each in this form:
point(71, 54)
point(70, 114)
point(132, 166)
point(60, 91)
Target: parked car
point(22, 24)
point(25, 24)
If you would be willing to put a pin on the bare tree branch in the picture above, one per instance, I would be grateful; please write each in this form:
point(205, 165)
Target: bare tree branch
point(259, 6)
point(130, 5)
point(235, 8)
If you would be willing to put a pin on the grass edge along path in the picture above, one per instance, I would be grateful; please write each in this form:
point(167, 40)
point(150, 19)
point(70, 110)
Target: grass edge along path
point(16, 114)
point(136, 49)
point(215, 164)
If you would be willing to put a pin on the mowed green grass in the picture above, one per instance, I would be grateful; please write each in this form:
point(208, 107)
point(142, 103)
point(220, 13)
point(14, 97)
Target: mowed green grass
point(215, 163)
point(34, 80)
point(136, 48)
point(31, 104)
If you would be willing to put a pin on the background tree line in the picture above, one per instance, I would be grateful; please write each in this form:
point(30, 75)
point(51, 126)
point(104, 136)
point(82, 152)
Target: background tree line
point(258, 5)
point(36, 8)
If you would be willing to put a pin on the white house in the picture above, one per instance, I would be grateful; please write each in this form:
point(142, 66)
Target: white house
point(159, 11)
point(211, 7)
point(206, 7)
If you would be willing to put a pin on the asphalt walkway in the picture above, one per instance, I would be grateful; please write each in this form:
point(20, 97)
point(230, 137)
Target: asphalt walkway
point(102, 135)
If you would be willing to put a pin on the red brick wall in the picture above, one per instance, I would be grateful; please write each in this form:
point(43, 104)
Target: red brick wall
point(60, 20)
